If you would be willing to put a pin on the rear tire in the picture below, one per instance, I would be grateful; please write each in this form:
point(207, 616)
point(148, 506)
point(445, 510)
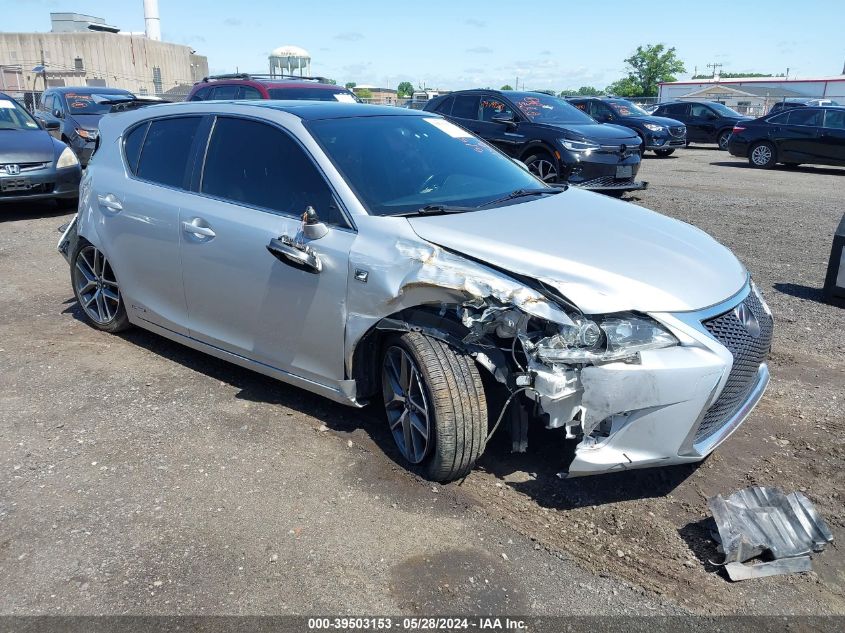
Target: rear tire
point(723, 138)
point(762, 155)
point(425, 380)
point(96, 290)
point(663, 153)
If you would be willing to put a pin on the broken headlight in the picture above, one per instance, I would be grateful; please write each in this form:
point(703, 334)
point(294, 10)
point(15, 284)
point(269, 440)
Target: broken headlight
point(603, 338)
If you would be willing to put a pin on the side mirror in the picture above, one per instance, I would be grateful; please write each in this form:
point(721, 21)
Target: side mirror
point(506, 118)
point(51, 126)
point(312, 227)
point(58, 114)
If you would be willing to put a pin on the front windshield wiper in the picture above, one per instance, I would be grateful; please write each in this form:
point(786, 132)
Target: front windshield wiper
point(436, 209)
point(522, 193)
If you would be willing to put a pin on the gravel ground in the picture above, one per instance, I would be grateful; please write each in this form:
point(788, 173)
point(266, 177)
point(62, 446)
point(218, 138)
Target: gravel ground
point(140, 477)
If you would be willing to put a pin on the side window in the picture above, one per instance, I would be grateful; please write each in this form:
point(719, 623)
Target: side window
point(779, 119)
point(466, 107)
point(225, 92)
point(259, 165)
point(701, 111)
point(445, 106)
point(677, 109)
point(167, 147)
point(132, 145)
point(47, 103)
point(249, 92)
point(584, 106)
point(491, 106)
point(835, 119)
point(601, 110)
point(201, 94)
point(805, 116)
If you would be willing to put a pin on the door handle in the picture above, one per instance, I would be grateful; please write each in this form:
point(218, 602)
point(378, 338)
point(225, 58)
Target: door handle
point(110, 202)
point(300, 256)
point(196, 229)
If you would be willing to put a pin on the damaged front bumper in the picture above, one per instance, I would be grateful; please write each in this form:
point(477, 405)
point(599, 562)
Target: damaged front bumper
point(674, 405)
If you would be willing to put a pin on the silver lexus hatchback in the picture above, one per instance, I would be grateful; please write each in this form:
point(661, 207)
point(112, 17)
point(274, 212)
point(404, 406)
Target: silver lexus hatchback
point(376, 253)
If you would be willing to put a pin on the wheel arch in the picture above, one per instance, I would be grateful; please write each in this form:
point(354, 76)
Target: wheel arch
point(532, 147)
point(437, 321)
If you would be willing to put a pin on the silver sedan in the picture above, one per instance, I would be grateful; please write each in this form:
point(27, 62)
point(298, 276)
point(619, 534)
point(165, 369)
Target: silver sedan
point(365, 252)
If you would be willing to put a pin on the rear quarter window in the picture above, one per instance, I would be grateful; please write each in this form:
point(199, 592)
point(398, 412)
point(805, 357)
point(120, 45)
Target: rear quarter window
point(201, 95)
point(166, 150)
point(132, 145)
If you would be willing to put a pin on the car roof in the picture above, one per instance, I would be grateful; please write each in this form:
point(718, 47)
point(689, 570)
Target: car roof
point(303, 109)
point(87, 90)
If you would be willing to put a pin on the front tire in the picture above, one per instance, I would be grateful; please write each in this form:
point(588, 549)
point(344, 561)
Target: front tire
point(762, 155)
point(663, 153)
point(543, 166)
point(722, 140)
point(435, 405)
point(95, 288)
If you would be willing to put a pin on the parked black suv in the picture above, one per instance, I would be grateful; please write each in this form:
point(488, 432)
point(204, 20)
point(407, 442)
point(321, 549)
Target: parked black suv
point(77, 111)
point(792, 137)
point(557, 141)
point(660, 134)
point(706, 121)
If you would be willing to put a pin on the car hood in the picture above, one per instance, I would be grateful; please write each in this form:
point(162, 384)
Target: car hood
point(600, 132)
point(657, 120)
point(86, 121)
point(26, 146)
point(604, 255)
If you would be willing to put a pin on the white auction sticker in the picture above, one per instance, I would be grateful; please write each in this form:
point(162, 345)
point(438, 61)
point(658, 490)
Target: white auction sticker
point(8, 105)
point(343, 98)
point(450, 128)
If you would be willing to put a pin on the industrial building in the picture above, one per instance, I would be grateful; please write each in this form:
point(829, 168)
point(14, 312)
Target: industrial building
point(754, 95)
point(83, 50)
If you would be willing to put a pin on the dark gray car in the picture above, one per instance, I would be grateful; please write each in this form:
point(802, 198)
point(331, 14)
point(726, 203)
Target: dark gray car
point(78, 111)
point(33, 165)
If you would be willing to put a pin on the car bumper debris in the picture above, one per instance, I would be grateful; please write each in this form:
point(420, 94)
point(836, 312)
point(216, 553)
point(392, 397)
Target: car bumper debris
point(763, 520)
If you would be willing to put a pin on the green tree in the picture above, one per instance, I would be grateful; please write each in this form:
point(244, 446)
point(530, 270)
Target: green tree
point(647, 67)
point(328, 81)
point(626, 87)
point(589, 91)
point(405, 89)
point(567, 93)
point(364, 93)
point(506, 87)
point(350, 85)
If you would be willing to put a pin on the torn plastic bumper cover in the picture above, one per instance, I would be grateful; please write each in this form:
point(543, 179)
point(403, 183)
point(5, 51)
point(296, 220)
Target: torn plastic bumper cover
point(759, 520)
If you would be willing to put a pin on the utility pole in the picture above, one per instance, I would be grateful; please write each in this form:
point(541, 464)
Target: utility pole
point(717, 67)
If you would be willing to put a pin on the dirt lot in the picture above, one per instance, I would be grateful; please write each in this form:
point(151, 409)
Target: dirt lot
point(141, 477)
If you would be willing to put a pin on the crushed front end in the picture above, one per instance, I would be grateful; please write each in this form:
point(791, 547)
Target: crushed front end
point(635, 390)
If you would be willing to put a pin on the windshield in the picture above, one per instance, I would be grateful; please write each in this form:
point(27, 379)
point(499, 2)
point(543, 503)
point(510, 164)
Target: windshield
point(541, 108)
point(399, 164)
point(85, 104)
point(626, 109)
point(312, 94)
point(724, 110)
point(14, 117)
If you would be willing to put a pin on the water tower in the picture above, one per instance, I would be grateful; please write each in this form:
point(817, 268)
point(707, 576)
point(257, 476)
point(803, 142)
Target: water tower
point(290, 60)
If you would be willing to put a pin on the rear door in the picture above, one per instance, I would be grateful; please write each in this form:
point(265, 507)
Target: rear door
point(799, 140)
point(256, 182)
point(702, 124)
point(139, 205)
point(832, 140)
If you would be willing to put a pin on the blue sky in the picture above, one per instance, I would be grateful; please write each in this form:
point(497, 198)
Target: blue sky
point(468, 43)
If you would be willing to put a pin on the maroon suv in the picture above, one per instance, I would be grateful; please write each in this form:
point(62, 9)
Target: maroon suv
point(244, 86)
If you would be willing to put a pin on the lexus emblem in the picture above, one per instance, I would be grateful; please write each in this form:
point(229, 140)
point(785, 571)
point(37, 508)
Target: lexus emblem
point(13, 170)
point(748, 320)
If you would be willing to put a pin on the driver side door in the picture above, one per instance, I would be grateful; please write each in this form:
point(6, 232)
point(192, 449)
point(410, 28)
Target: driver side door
point(255, 183)
point(701, 126)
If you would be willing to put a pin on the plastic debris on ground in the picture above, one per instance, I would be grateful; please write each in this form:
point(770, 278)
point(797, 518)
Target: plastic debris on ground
point(761, 520)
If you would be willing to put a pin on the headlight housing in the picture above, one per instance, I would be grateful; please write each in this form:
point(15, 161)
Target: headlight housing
point(604, 338)
point(67, 159)
point(579, 146)
point(88, 135)
point(654, 127)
